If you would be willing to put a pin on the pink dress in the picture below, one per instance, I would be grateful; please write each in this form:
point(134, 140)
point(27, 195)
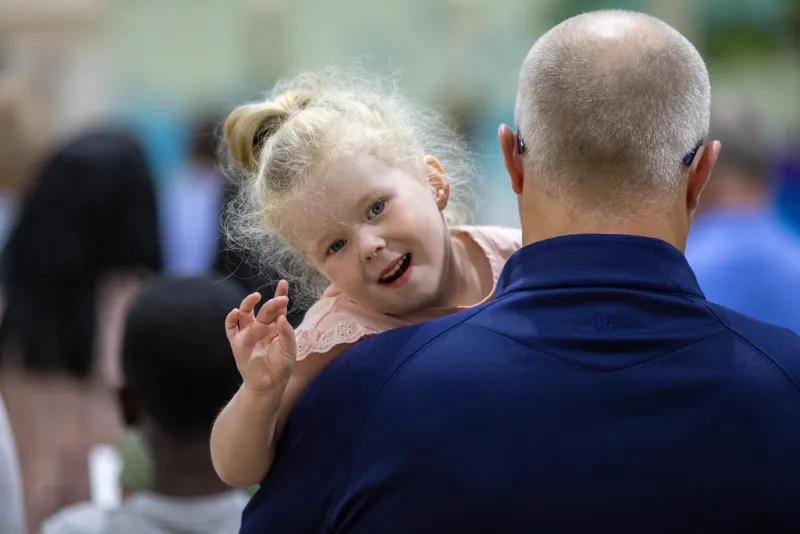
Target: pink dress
point(335, 320)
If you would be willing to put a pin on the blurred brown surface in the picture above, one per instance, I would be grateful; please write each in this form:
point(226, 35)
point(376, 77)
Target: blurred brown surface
point(56, 418)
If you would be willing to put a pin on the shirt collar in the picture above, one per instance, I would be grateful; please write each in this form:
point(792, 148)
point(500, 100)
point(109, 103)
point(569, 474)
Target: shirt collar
point(592, 260)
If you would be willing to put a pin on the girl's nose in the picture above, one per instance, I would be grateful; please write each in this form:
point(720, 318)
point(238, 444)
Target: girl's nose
point(371, 246)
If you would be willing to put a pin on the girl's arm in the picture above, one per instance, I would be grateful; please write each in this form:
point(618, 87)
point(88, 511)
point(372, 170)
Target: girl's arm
point(246, 431)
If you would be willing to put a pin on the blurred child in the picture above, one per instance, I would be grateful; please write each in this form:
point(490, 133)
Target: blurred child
point(178, 372)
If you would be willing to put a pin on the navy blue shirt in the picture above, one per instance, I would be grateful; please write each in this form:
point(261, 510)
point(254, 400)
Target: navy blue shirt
point(599, 392)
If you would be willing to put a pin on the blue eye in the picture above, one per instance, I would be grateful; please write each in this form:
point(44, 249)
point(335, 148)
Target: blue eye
point(336, 246)
point(377, 208)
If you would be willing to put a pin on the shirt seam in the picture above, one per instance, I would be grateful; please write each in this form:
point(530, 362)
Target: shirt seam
point(763, 354)
point(612, 371)
point(682, 293)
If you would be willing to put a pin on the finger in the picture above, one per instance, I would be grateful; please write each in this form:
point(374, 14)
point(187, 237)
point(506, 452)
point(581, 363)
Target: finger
point(270, 311)
point(283, 289)
point(286, 338)
point(264, 328)
point(260, 333)
point(246, 309)
point(232, 324)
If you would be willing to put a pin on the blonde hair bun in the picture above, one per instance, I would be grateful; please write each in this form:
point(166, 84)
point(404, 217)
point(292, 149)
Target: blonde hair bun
point(249, 125)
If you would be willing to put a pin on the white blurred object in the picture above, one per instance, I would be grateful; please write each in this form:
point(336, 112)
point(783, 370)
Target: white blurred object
point(105, 466)
point(12, 517)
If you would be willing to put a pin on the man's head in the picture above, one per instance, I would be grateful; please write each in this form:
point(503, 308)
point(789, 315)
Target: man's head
point(610, 107)
point(177, 364)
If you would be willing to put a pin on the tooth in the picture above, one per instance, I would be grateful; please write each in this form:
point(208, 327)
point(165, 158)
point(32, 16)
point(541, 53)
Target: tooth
point(400, 263)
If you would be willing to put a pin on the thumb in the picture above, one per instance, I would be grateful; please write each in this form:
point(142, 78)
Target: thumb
point(287, 338)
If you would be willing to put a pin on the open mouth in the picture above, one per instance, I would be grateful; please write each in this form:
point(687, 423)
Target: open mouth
point(397, 270)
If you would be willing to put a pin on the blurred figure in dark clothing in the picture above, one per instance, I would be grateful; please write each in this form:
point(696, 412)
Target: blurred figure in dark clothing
point(90, 211)
point(245, 269)
point(744, 256)
point(85, 237)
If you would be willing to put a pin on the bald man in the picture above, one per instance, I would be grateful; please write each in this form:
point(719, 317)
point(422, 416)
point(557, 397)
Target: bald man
point(599, 391)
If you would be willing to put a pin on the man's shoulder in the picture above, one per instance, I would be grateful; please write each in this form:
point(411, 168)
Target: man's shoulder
point(351, 382)
point(373, 360)
point(81, 518)
point(315, 448)
point(779, 345)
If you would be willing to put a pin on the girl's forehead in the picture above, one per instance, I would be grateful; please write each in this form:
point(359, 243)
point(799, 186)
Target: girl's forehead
point(347, 181)
point(340, 194)
point(356, 171)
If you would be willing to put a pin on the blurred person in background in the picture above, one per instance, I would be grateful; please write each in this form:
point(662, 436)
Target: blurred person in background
point(191, 205)
point(744, 256)
point(89, 212)
point(85, 237)
point(12, 519)
point(19, 146)
point(178, 372)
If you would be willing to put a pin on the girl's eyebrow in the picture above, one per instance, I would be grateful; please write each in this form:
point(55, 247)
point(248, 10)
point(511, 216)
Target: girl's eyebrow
point(329, 236)
point(366, 196)
point(374, 193)
point(324, 241)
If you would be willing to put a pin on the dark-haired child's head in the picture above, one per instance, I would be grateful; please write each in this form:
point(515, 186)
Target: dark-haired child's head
point(177, 365)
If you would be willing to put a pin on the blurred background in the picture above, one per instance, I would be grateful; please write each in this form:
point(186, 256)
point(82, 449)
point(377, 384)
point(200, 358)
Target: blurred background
point(165, 73)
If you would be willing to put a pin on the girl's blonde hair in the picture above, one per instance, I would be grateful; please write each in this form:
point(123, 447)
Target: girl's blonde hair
point(278, 144)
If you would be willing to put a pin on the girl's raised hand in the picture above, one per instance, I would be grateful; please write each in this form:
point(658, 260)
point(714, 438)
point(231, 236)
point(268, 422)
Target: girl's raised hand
point(264, 345)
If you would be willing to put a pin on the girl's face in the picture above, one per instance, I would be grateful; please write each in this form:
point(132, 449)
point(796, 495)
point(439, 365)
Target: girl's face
point(376, 232)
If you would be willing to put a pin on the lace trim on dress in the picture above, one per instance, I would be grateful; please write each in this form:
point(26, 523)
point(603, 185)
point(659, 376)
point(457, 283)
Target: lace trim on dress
point(320, 342)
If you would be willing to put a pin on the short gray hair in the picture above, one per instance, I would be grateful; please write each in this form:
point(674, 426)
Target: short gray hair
point(611, 100)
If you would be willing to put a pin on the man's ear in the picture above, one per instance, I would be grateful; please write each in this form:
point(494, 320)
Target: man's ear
point(511, 157)
point(438, 180)
point(700, 173)
point(128, 406)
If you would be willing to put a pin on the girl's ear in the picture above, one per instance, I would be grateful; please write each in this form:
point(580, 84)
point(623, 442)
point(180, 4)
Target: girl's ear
point(438, 180)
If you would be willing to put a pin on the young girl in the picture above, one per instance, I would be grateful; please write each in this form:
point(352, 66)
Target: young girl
point(341, 182)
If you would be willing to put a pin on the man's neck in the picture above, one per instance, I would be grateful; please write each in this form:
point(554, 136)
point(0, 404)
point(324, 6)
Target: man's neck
point(551, 220)
point(182, 468)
